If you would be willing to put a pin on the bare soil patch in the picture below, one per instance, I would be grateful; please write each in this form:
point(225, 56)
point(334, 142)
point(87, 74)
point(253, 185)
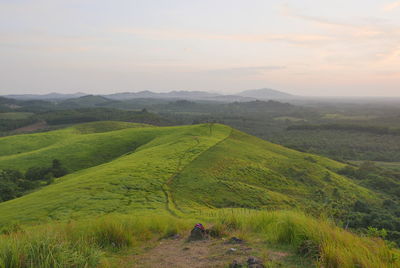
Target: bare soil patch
point(199, 254)
point(32, 127)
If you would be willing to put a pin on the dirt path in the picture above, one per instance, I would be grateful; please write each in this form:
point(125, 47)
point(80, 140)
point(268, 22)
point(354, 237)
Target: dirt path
point(178, 253)
point(171, 205)
point(32, 127)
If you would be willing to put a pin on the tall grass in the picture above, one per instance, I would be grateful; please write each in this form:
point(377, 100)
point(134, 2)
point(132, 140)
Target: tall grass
point(82, 244)
point(87, 243)
point(329, 245)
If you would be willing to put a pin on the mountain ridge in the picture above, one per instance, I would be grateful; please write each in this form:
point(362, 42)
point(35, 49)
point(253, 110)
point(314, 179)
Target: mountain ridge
point(248, 95)
point(266, 94)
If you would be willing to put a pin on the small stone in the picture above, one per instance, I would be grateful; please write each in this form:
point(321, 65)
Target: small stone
point(176, 237)
point(253, 262)
point(235, 240)
point(235, 264)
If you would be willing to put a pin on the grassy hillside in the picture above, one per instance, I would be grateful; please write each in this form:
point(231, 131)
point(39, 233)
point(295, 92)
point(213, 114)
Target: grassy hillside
point(244, 171)
point(78, 147)
point(131, 182)
point(122, 167)
point(184, 175)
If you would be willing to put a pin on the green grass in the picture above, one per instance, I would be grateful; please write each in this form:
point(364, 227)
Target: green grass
point(349, 117)
point(290, 118)
point(130, 183)
point(181, 174)
point(393, 166)
point(77, 147)
point(321, 240)
point(94, 243)
point(83, 243)
point(15, 115)
point(244, 171)
point(129, 168)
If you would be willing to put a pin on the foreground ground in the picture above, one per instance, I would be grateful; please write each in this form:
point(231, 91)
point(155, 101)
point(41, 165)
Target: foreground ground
point(220, 252)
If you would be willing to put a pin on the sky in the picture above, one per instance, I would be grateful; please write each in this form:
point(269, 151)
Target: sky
point(304, 47)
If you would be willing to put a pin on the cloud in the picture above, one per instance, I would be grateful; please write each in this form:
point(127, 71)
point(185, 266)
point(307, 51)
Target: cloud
point(247, 70)
point(391, 6)
point(48, 42)
point(368, 40)
point(290, 12)
point(165, 34)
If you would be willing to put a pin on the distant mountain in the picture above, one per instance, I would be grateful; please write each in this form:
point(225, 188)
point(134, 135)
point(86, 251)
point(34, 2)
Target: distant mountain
point(50, 96)
point(245, 96)
point(265, 94)
point(175, 95)
point(86, 101)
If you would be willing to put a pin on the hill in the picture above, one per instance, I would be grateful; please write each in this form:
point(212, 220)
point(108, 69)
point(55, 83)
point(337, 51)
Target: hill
point(50, 96)
point(85, 102)
point(170, 169)
point(133, 186)
point(265, 94)
point(178, 95)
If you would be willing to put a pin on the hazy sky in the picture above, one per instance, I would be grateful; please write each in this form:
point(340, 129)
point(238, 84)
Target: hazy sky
point(308, 47)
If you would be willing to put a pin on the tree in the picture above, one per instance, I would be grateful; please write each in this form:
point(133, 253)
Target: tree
point(57, 169)
point(36, 173)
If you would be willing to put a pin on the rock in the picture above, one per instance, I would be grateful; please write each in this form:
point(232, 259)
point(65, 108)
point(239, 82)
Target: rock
point(176, 236)
point(235, 264)
point(253, 262)
point(235, 240)
point(197, 234)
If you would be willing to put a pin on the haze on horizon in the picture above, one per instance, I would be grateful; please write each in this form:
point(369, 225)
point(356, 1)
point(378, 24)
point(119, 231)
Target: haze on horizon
point(307, 47)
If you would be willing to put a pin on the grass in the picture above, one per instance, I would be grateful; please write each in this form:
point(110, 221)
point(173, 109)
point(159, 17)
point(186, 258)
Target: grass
point(129, 168)
point(77, 147)
point(15, 115)
point(321, 240)
point(130, 183)
point(94, 243)
point(349, 117)
point(244, 171)
point(84, 243)
point(163, 179)
point(393, 166)
point(290, 118)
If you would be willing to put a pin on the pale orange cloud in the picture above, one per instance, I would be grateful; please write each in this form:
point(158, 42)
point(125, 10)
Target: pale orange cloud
point(252, 38)
point(391, 6)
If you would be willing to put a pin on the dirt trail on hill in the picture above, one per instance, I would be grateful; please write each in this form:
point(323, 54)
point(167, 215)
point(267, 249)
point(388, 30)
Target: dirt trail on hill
point(178, 253)
point(170, 203)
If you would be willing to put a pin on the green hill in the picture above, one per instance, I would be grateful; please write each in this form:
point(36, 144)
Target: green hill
point(131, 185)
point(130, 168)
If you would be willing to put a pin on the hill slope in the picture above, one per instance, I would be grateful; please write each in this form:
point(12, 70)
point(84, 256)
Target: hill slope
point(130, 168)
point(265, 94)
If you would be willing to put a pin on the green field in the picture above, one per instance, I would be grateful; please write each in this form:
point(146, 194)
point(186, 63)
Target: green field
point(183, 174)
point(349, 117)
point(15, 115)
